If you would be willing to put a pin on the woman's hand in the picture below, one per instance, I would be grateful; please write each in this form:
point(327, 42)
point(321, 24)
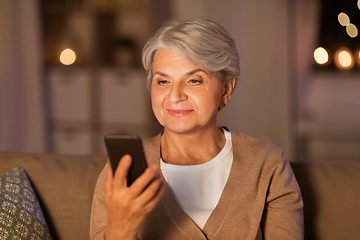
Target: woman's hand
point(127, 207)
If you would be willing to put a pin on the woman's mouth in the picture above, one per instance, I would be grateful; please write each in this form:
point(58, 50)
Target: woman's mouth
point(178, 112)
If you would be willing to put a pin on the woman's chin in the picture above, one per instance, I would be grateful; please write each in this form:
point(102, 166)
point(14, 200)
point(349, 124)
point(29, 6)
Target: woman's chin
point(180, 129)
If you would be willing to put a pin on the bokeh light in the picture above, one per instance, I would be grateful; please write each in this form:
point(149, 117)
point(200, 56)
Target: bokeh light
point(321, 56)
point(343, 19)
point(67, 56)
point(351, 30)
point(344, 59)
point(357, 56)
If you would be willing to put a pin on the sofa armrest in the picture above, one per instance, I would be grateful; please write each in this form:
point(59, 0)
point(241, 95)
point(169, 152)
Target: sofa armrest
point(331, 194)
point(64, 186)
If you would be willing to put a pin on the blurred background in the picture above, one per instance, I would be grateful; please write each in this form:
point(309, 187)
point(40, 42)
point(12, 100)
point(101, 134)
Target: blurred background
point(70, 72)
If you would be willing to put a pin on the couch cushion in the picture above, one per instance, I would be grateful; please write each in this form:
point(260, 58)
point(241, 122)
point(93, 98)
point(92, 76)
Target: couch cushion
point(64, 186)
point(331, 194)
point(20, 214)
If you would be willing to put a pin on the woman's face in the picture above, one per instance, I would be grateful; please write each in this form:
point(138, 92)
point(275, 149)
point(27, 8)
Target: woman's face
point(185, 97)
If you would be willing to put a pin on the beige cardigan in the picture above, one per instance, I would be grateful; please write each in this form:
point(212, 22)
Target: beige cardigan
point(261, 199)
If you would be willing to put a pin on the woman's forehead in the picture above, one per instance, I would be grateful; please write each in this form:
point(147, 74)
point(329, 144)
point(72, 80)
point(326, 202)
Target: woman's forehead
point(168, 60)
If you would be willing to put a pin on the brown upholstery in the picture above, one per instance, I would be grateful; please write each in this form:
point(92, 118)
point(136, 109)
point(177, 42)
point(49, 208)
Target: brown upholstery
point(331, 194)
point(64, 186)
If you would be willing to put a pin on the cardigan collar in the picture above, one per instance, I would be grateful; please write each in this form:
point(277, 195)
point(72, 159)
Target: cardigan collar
point(169, 202)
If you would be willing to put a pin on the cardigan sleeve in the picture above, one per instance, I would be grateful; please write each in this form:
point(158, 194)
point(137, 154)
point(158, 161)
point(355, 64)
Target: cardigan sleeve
point(99, 217)
point(283, 214)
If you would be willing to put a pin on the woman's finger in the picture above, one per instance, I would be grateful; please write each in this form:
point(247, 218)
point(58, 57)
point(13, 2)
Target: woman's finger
point(138, 186)
point(152, 190)
point(126, 210)
point(121, 172)
point(160, 191)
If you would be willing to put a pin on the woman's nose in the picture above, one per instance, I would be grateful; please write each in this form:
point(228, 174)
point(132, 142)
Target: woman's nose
point(177, 93)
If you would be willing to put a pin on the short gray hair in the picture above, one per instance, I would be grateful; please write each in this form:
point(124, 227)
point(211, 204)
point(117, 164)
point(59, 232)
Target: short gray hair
point(199, 41)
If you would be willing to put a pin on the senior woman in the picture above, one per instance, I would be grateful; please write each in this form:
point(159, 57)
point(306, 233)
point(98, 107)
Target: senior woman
point(205, 182)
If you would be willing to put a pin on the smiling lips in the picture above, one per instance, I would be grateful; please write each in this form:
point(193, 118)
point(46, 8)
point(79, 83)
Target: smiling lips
point(178, 112)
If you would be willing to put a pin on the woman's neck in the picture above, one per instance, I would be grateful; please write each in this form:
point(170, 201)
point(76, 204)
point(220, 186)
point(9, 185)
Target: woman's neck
point(191, 148)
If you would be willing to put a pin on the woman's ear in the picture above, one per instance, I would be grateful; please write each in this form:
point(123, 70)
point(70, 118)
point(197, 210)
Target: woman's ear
point(228, 90)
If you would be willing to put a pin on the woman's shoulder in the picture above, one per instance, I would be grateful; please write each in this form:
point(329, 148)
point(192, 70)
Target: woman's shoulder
point(261, 149)
point(152, 149)
point(246, 140)
point(152, 141)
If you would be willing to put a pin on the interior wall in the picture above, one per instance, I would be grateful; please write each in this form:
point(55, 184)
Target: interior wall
point(261, 102)
point(21, 112)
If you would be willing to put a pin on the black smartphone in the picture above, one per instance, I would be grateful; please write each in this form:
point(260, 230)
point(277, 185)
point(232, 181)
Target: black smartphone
point(118, 145)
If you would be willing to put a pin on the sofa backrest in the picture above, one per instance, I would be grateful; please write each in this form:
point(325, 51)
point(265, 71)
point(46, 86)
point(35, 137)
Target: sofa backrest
point(64, 186)
point(331, 194)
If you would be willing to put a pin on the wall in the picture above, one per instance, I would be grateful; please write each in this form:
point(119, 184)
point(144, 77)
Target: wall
point(21, 110)
point(262, 104)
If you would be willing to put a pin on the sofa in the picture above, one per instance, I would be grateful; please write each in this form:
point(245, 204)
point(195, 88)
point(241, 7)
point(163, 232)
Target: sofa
point(64, 188)
point(331, 195)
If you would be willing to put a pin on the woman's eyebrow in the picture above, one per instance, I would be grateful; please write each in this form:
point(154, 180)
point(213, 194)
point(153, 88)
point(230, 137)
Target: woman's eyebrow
point(192, 72)
point(197, 70)
point(160, 73)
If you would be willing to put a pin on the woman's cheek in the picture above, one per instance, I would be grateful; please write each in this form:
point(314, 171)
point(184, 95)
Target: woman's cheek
point(157, 106)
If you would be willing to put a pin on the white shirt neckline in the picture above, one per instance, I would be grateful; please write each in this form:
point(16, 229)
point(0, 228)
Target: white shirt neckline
point(198, 188)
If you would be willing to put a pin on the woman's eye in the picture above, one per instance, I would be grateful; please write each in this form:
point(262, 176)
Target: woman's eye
point(195, 81)
point(162, 82)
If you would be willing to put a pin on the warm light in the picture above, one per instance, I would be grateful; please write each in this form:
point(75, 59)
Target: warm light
point(357, 56)
point(351, 30)
point(321, 56)
point(359, 4)
point(344, 59)
point(343, 19)
point(67, 56)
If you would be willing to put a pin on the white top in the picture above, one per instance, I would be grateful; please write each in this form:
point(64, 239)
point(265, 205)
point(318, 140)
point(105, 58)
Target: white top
point(198, 187)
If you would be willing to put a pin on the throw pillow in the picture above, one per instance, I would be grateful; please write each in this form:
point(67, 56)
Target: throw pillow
point(20, 213)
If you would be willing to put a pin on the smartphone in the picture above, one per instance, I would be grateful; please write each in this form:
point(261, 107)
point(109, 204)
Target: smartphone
point(118, 145)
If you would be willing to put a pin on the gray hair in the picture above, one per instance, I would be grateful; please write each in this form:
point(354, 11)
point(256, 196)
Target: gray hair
point(199, 41)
